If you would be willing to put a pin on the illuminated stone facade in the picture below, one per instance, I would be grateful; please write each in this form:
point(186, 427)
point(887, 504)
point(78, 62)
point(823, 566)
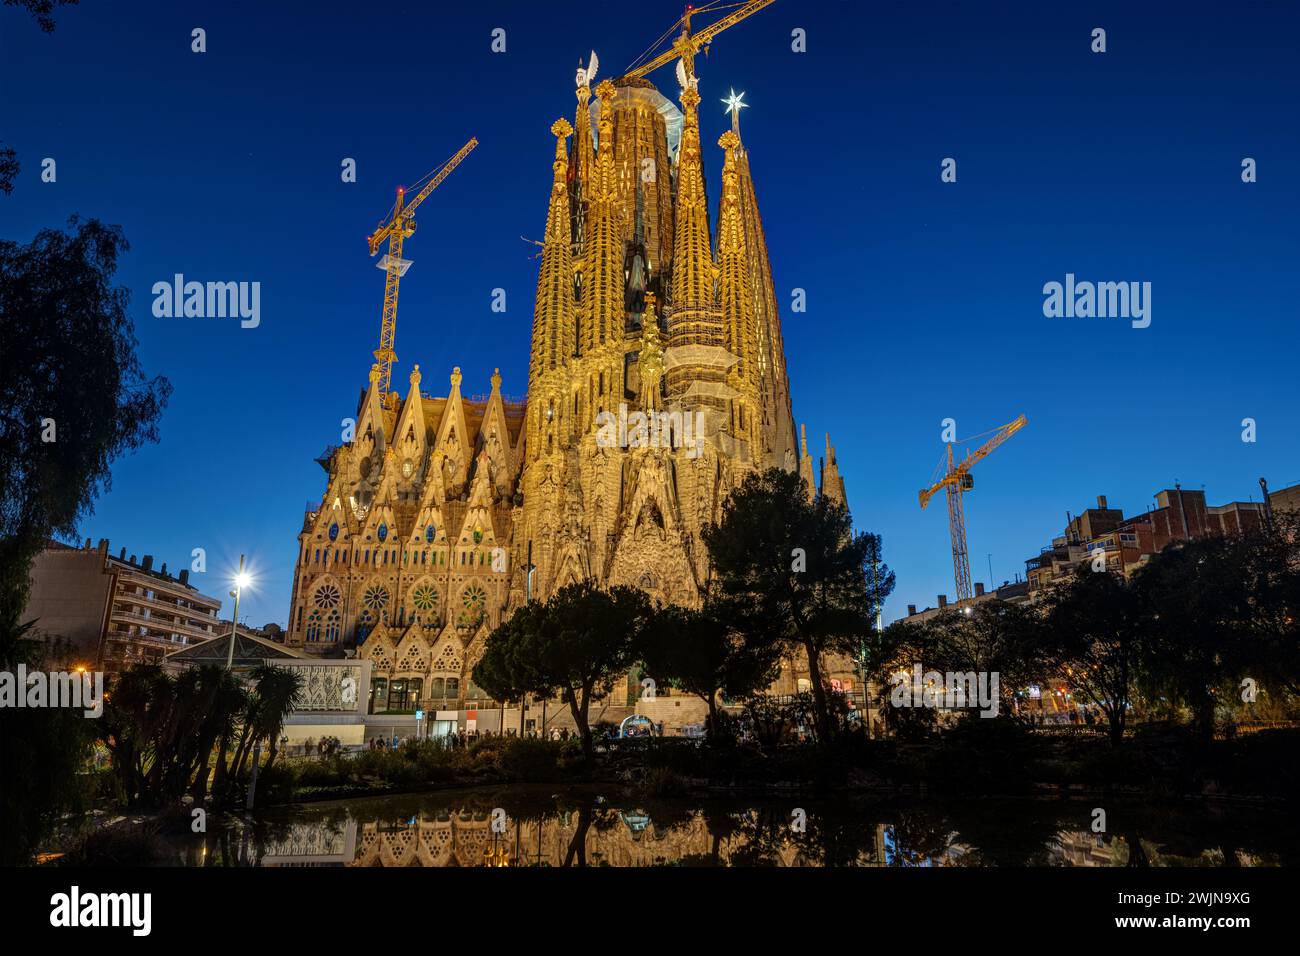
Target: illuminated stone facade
point(438, 507)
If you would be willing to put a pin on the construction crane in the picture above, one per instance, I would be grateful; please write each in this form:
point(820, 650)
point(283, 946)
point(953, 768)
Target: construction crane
point(396, 227)
point(958, 480)
point(687, 44)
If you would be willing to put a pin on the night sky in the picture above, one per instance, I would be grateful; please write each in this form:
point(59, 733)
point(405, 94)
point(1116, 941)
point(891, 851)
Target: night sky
point(924, 298)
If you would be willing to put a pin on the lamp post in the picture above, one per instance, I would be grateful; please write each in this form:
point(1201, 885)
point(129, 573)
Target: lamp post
point(242, 581)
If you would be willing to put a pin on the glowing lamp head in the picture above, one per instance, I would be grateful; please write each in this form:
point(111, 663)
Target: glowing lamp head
point(243, 580)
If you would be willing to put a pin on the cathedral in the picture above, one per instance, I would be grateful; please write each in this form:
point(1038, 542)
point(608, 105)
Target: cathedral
point(445, 513)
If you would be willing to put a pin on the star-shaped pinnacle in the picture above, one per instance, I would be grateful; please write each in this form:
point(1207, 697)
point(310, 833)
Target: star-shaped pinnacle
point(735, 102)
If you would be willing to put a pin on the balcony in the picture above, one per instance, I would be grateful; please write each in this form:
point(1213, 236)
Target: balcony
point(160, 623)
point(201, 613)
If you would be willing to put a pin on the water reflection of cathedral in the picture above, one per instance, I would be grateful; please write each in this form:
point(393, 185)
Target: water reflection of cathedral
point(617, 838)
point(631, 838)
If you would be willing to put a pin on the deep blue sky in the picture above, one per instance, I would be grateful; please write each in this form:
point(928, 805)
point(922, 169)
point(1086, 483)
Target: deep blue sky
point(924, 299)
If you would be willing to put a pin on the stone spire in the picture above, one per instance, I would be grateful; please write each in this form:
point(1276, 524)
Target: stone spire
point(774, 382)
point(832, 483)
point(603, 269)
point(805, 463)
point(580, 161)
point(693, 319)
point(554, 333)
point(736, 304)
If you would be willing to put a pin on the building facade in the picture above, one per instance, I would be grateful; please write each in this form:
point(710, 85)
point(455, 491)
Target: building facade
point(1129, 543)
point(657, 379)
point(115, 611)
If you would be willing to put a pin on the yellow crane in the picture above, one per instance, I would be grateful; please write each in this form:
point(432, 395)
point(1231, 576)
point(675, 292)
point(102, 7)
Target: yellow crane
point(958, 480)
point(396, 227)
point(687, 44)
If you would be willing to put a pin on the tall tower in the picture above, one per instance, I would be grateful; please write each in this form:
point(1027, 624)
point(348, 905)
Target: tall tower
point(554, 328)
point(696, 374)
point(735, 302)
point(774, 382)
point(601, 312)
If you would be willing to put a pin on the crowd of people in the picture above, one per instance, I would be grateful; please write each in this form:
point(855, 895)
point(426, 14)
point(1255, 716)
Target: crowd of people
point(463, 738)
point(328, 746)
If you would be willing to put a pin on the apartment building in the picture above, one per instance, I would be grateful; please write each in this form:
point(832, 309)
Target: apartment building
point(1128, 543)
point(115, 611)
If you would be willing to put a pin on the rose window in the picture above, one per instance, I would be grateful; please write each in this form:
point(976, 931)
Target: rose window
point(327, 596)
point(474, 599)
point(375, 598)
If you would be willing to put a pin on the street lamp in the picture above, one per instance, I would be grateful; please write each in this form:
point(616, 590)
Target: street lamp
point(242, 580)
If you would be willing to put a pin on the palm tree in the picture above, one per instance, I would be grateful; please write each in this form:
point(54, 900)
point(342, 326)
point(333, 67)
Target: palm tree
point(278, 689)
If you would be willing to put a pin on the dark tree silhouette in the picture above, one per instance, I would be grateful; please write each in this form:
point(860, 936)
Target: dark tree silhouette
point(72, 394)
point(8, 169)
point(698, 651)
point(72, 399)
point(995, 637)
point(1221, 609)
point(577, 644)
point(791, 573)
point(42, 10)
point(1094, 638)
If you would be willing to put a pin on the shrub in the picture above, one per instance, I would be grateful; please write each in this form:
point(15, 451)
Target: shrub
point(662, 782)
point(531, 759)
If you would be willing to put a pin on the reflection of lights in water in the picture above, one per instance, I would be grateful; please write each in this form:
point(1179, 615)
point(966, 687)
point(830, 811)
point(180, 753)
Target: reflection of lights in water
point(498, 854)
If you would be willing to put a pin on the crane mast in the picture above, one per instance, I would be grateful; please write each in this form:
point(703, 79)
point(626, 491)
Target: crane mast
point(957, 480)
point(396, 228)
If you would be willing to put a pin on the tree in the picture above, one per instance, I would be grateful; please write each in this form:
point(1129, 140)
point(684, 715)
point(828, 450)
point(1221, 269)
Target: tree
point(1094, 637)
point(275, 692)
point(42, 10)
point(41, 751)
point(72, 394)
point(697, 650)
point(992, 637)
point(792, 574)
point(1220, 609)
point(577, 644)
point(72, 399)
point(8, 169)
point(160, 729)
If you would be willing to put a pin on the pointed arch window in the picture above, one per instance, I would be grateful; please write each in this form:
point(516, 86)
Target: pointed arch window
point(334, 531)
